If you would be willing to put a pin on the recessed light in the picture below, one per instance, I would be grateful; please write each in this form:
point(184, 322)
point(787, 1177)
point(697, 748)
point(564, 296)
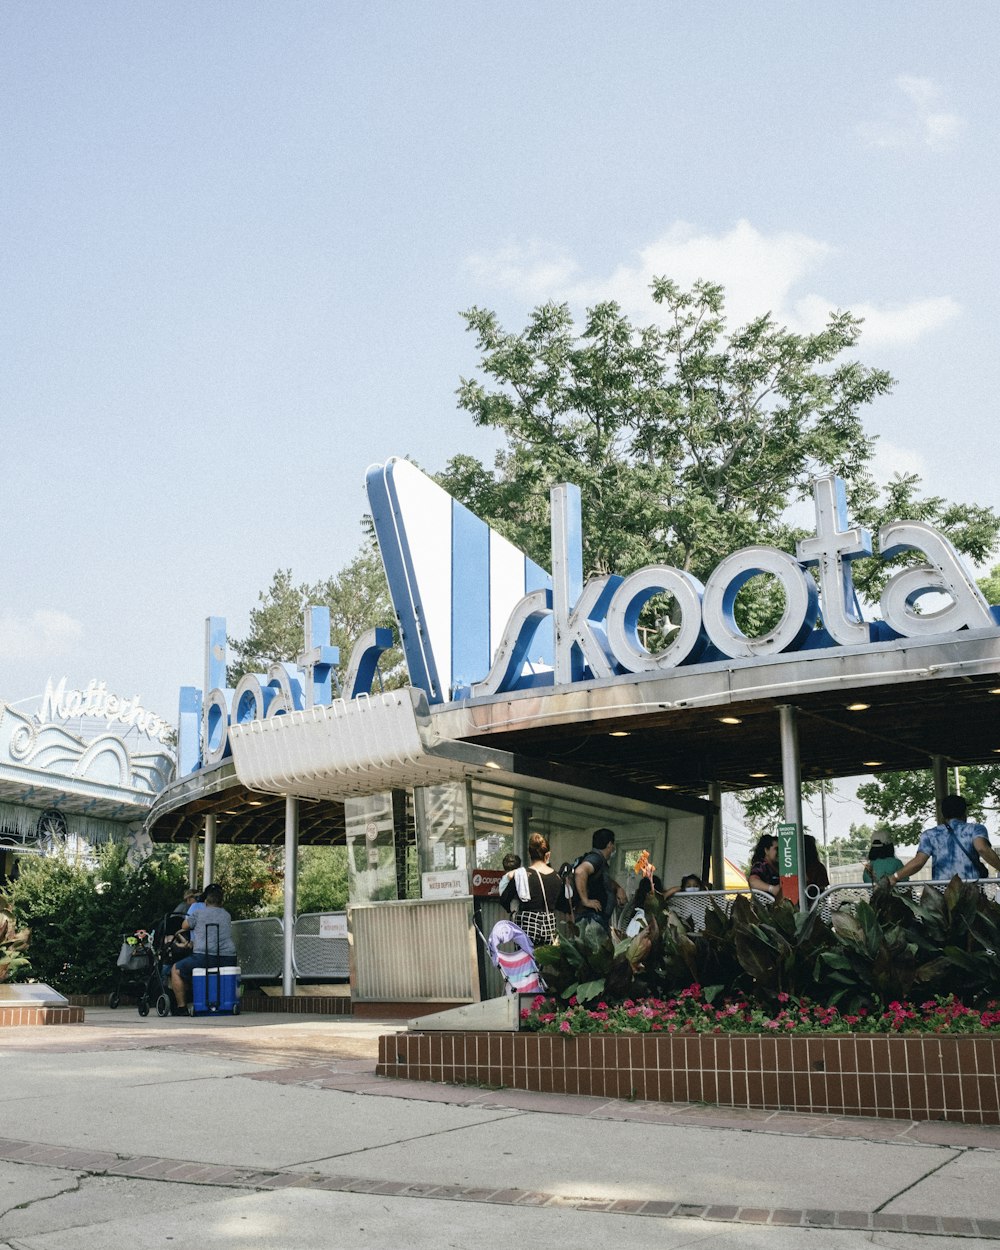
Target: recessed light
point(492, 764)
point(255, 802)
point(619, 733)
point(758, 774)
point(730, 720)
point(858, 707)
point(995, 690)
point(872, 763)
point(666, 787)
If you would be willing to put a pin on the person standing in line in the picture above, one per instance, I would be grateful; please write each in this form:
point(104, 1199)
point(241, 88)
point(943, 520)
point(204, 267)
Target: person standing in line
point(539, 891)
point(955, 848)
point(594, 884)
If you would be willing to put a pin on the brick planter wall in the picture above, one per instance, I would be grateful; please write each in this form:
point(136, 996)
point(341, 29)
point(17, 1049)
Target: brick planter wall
point(11, 1017)
point(921, 1077)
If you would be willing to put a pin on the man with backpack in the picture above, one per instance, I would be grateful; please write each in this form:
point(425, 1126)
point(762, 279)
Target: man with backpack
point(957, 847)
point(595, 888)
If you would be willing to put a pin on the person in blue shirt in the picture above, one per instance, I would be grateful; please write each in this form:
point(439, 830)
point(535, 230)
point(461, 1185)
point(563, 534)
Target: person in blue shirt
point(955, 847)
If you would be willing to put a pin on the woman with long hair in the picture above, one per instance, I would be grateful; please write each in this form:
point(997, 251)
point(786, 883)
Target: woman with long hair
point(540, 892)
point(763, 874)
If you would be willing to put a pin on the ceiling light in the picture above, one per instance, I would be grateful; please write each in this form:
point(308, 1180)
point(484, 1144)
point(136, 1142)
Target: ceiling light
point(995, 690)
point(730, 720)
point(255, 802)
point(619, 733)
point(666, 787)
point(492, 764)
point(858, 707)
point(872, 763)
point(758, 774)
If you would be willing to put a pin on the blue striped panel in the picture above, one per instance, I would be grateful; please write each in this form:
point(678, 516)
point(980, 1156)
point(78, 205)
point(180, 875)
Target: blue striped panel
point(470, 597)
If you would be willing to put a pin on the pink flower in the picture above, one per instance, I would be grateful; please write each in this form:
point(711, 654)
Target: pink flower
point(564, 1027)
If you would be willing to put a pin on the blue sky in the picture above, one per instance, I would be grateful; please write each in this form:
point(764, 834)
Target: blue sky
point(236, 238)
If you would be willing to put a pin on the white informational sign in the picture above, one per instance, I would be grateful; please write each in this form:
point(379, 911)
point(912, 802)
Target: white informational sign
point(453, 884)
point(333, 926)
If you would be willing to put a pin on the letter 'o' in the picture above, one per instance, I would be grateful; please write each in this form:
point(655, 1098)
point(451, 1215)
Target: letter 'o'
point(725, 583)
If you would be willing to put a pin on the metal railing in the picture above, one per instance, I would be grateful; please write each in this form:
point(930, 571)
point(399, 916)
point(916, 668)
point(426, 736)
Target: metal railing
point(840, 897)
point(260, 948)
point(317, 956)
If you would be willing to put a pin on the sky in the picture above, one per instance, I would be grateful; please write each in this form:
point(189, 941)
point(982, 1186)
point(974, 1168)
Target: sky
point(236, 238)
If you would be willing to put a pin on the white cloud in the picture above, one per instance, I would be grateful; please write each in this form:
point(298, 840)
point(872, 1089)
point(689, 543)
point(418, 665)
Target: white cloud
point(526, 270)
point(918, 119)
point(892, 326)
point(759, 272)
point(42, 635)
point(890, 458)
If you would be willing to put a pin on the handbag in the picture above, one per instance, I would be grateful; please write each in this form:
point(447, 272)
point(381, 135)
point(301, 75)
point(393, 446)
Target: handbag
point(540, 926)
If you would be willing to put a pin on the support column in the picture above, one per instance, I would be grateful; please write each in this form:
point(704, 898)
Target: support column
point(939, 767)
point(193, 861)
point(291, 873)
point(209, 864)
point(791, 782)
point(718, 849)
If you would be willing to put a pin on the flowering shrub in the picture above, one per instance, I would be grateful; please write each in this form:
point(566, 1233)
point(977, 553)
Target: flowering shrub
point(690, 1012)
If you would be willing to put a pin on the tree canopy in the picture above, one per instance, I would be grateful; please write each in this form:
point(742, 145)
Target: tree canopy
point(687, 442)
point(357, 597)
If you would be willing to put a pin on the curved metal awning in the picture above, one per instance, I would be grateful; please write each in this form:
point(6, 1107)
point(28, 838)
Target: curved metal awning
point(355, 747)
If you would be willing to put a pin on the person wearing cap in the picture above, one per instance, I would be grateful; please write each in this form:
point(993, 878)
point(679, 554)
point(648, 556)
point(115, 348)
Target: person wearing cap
point(882, 861)
point(198, 922)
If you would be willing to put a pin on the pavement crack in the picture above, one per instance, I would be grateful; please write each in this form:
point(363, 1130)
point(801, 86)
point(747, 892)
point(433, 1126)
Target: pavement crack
point(958, 1152)
point(402, 1141)
point(34, 1202)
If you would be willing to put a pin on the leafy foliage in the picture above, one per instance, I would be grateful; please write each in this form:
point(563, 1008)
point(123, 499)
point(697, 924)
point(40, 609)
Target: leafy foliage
point(77, 915)
point(358, 599)
point(13, 942)
point(322, 879)
point(687, 441)
point(877, 952)
point(903, 803)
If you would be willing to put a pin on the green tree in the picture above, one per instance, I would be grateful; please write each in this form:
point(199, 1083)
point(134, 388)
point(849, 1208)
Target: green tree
point(686, 443)
point(78, 913)
point(853, 848)
point(903, 803)
point(322, 879)
point(990, 585)
point(358, 599)
point(251, 878)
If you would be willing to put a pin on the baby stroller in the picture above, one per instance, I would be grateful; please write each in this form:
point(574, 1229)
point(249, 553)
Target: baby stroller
point(139, 975)
point(517, 967)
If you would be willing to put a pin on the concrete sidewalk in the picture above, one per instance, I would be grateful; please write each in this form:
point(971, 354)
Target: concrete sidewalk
point(274, 1131)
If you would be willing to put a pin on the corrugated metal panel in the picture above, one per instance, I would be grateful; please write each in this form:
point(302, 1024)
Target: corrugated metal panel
point(413, 952)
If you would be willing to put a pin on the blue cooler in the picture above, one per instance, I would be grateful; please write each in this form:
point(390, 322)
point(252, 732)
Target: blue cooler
point(215, 991)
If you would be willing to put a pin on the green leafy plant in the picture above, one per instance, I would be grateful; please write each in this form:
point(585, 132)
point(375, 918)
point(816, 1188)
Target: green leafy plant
point(13, 943)
point(77, 914)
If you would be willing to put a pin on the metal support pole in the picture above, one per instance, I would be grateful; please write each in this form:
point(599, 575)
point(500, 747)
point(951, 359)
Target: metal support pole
point(208, 868)
point(939, 767)
point(791, 781)
point(193, 860)
point(718, 850)
point(291, 871)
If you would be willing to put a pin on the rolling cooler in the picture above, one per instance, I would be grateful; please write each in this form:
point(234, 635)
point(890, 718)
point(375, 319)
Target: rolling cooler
point(215, 988)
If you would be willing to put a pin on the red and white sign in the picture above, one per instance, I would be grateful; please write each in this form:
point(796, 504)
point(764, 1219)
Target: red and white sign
point(485, 882)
